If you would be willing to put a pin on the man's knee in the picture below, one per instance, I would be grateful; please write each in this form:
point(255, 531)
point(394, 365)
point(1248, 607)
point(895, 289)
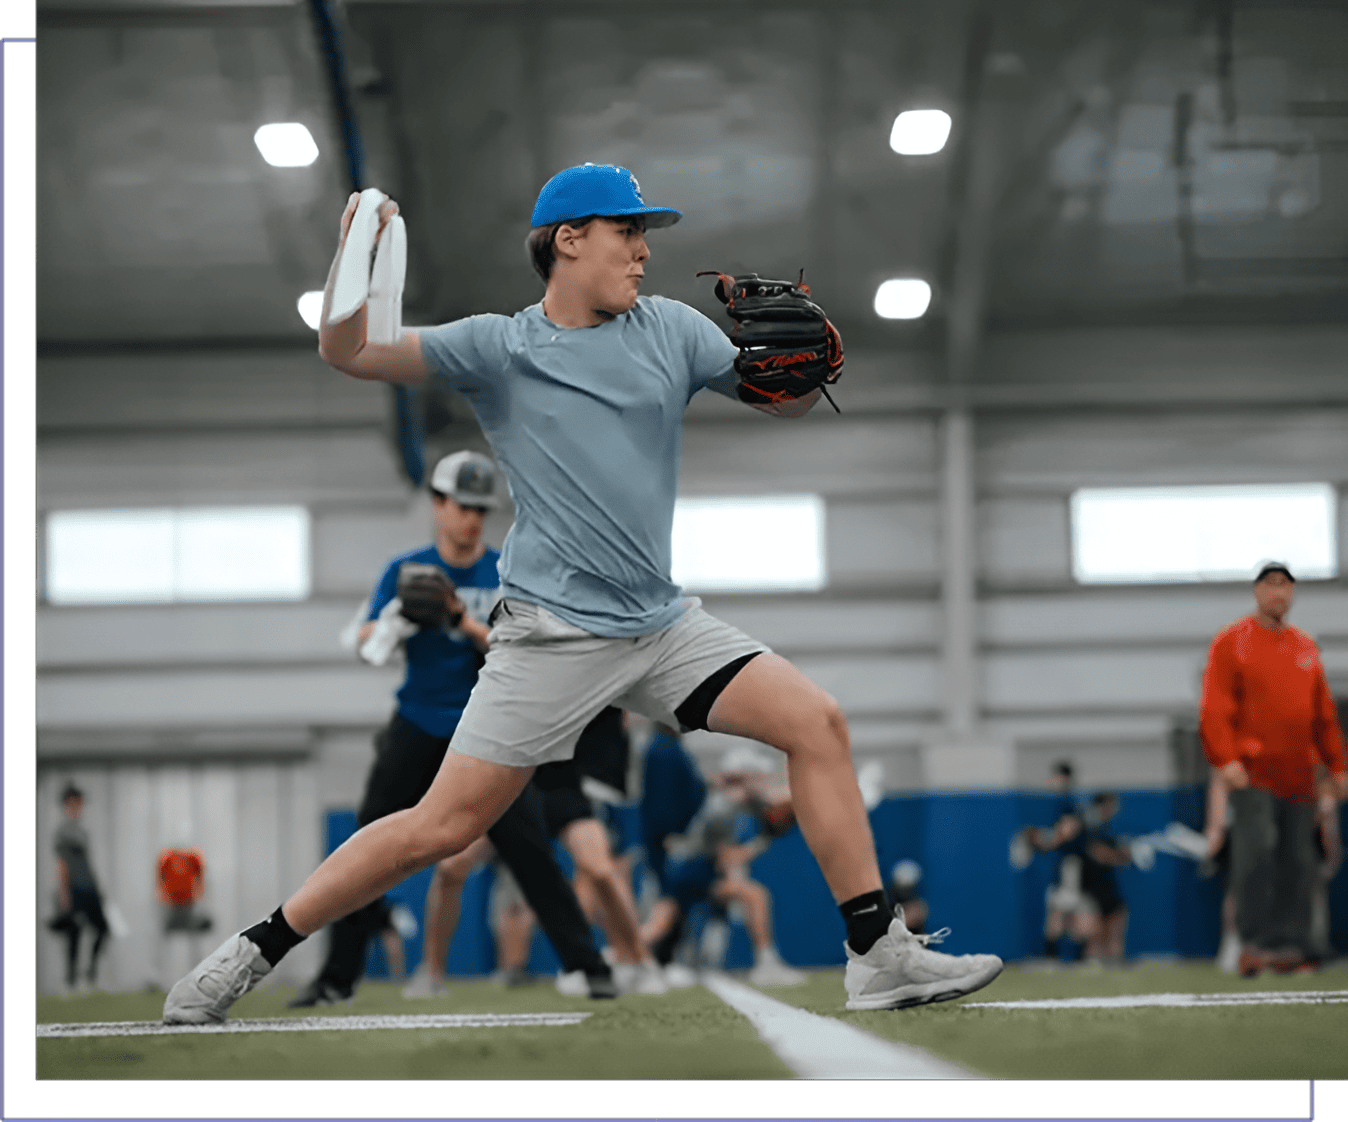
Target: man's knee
point(821, 729)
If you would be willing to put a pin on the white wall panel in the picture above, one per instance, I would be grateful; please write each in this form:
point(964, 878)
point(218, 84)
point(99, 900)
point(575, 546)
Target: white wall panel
point(796, 625)
point(1023, 539)
point(176, 634)
point(1067, 450)
point(205, 467)
point(877, 684)
point(1193, 614)
point(357, 694)
point(876, 543)
point(822, 454)
point(1092, 680)
point(215, 388)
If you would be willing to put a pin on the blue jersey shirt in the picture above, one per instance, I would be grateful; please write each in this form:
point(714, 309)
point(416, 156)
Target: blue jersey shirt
point(587, 424)
point(442, 663)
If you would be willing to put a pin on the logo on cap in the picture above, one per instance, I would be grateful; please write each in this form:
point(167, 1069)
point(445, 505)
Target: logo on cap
point(636, 188)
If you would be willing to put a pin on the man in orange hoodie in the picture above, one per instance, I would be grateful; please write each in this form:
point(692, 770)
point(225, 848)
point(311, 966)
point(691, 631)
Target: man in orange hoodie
point(1268, 724)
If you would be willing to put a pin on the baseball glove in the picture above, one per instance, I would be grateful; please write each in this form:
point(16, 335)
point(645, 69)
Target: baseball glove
point(425, 592)
point(787, 345)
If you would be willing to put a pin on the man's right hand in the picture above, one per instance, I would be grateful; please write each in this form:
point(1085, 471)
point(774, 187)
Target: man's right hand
point(1235, 776)
point(387, 209)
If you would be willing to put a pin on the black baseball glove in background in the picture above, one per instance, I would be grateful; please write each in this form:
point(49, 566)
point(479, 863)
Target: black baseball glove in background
point(426, 593)
point(787, 345)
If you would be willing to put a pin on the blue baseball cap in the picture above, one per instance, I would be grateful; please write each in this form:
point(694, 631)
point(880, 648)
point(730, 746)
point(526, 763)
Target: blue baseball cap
point(596, 189)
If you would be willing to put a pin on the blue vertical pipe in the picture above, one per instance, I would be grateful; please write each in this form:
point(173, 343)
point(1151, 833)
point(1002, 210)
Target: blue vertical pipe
point(411, 439)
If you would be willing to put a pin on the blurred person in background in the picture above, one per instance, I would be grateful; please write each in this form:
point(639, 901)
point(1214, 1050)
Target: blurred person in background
point(712, 863)
point(1062, 900)
point(79, 902)
point(1102, 914)
point(905, 891)
point(571, 819)
point(181, 884)
point(443, 655)
point(1268, 724)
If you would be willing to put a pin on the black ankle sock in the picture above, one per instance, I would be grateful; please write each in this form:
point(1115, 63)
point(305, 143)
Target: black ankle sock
point(867, 918)
point(274, 937)
point(1050, 948)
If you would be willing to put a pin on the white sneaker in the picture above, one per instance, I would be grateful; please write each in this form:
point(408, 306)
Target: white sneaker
point(574, 984)
point(900, 971)
point(1228, 954)
point(642, 978)
point(680, 977)
point(219, 980)
point(421, 984)
point(770, 970)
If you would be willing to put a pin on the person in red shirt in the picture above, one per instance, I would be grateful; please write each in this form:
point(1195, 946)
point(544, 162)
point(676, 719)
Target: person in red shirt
point(181, 885)
point(1269, 726)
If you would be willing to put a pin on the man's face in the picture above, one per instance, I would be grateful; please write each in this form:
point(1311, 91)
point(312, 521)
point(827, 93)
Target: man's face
point(1274, 595)
point(73, 806)
point(612, 262)
point(462, 525)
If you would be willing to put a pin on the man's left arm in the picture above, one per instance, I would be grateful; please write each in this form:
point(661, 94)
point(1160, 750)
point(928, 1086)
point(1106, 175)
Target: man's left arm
point(1329, 737)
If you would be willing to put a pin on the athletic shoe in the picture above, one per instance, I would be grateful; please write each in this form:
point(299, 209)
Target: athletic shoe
point(572, 984)
point(770, 970)
point(601, 987)
point(1228, 954)
point(900, 971)
point(680, 977)
point(319, 992)
point(1251, 962)
point(516, 977)
point(421, 984)
point(643, 978)
point(219, 980)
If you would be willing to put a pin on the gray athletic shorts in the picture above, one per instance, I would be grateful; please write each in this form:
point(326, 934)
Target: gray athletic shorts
point(545, 679)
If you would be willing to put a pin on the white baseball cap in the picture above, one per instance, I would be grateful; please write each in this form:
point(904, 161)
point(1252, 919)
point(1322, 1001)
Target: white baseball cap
point(469, 478)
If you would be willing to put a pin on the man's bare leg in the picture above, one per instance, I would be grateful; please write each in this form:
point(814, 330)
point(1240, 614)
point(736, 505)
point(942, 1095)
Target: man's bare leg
point(587, 842)
point(444, 896)
point(771, 701)
point(466, 798)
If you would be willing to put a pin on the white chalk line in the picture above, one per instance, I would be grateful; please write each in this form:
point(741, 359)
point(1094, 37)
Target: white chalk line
point(1173, 1000)
point(816, 1047)
point(318, 1024)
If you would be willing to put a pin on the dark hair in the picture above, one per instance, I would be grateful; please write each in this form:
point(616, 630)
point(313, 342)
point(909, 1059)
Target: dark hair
point(1104, 797)
point(1062, 767)
point(71, 792)
point(541, 244)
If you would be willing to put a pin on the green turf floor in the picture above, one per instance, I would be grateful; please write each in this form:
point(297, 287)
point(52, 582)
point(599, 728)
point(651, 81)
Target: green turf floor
point(686, 1034)
point(1230, 1042)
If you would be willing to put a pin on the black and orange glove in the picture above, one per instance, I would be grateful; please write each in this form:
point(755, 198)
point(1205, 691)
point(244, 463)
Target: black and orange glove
point(427, 596)
point(787, 346)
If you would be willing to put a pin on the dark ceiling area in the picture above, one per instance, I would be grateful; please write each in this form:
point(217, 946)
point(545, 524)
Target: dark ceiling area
point(1117, 162)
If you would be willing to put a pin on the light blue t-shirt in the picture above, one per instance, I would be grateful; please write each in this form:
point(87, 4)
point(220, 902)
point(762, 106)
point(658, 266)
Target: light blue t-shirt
point(587, 423)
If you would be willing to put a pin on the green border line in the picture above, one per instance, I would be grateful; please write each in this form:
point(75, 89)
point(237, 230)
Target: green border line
point(24, 1097)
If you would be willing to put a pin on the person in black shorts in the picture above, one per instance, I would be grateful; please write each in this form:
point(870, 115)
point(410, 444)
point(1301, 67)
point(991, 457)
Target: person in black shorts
point(601, 753)
point(1102, 915)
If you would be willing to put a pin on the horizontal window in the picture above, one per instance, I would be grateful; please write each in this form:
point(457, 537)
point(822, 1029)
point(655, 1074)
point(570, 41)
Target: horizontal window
point(750, 544)
point(162, 555)
point(1170, 534)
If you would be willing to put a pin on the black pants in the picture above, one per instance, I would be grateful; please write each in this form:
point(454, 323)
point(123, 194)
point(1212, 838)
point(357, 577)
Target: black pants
point(1273, 869)
point(86, 908)
point(406, 761)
